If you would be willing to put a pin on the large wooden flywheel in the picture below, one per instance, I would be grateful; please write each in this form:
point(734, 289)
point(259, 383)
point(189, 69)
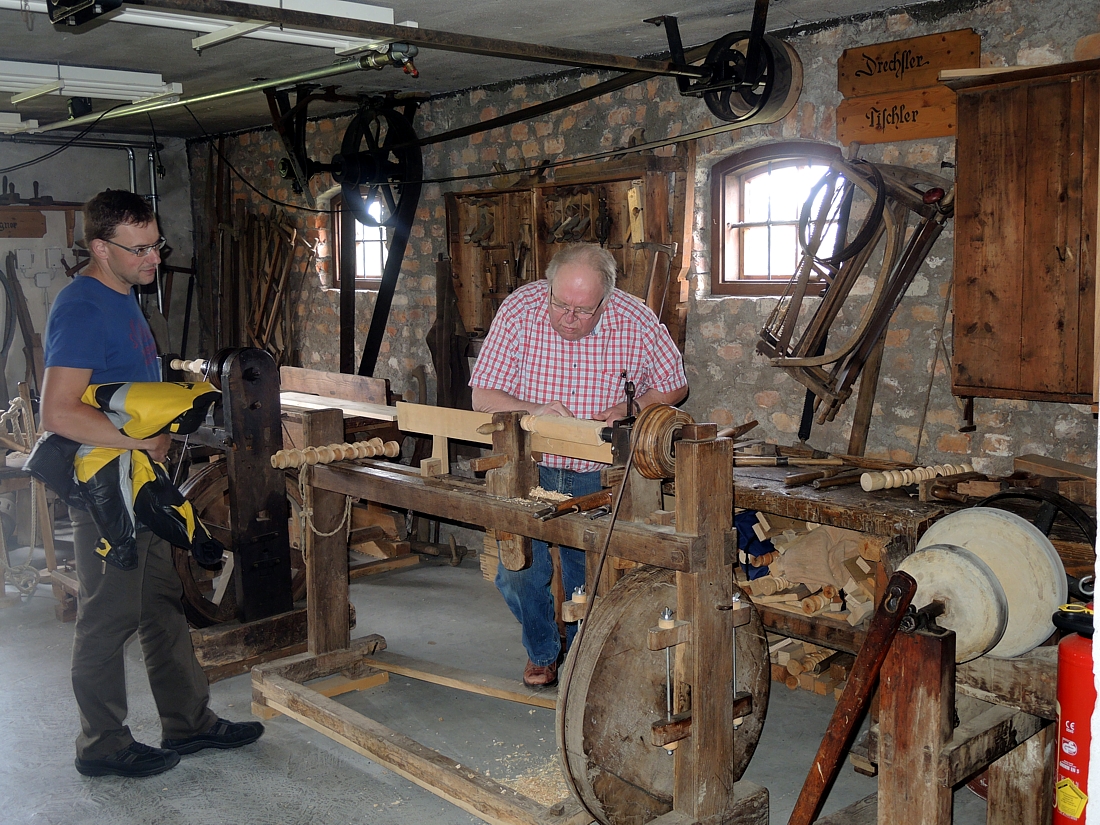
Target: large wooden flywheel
point(209, 596)
point(617, 690)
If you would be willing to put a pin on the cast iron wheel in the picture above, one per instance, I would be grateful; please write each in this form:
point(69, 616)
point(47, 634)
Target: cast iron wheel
point(379, 155)
point(208, 598)
point(1051, 503)
point(741, 96)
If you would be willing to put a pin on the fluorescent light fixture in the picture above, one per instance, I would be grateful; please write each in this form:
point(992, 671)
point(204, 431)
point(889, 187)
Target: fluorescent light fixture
point(12, 122)
point(30, 80)
point(216, 30)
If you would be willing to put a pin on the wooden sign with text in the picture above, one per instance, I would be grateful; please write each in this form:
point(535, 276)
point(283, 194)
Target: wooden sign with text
point(906, 64)
point(20, 222)
point(908, 115)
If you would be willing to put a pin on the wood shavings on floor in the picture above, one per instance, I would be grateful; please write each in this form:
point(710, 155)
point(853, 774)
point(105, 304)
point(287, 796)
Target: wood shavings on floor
point(543, 783)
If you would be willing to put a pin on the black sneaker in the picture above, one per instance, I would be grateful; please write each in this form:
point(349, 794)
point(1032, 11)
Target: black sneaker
point(224, 734)
point(134, 760)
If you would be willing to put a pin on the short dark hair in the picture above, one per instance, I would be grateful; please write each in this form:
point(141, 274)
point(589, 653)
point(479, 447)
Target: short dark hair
point(104, 213)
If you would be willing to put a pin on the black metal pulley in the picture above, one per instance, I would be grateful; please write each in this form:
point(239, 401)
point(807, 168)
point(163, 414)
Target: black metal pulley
point(379, 166)
point(748, 75)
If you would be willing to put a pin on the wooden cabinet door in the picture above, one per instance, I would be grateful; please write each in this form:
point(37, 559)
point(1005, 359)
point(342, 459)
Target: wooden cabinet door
point(1025, 235)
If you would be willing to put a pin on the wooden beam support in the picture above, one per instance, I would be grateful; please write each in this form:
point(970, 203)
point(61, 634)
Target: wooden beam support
point(704, 474)
point(916, 708)
point(1028, 682)
point(983, 740)
point(1021, 783)
point(327, 568)
point(460, 785)
point(648, 544)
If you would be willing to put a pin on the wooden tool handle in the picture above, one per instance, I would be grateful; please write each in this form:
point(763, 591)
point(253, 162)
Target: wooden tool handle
point(591, 501)
point(849, 708)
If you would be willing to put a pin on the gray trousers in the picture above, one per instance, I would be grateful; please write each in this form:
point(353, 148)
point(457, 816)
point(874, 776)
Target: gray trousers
point(112, 605)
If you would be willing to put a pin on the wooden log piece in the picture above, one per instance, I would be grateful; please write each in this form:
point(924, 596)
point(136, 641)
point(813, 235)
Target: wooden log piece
point(576, 430)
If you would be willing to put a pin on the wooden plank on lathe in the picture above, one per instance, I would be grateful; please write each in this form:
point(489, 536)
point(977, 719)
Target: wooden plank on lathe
point(443, 421)
point(911, 63)
point(912, 114)
point(1045, 466)
point(304, 401)
point(360, 388)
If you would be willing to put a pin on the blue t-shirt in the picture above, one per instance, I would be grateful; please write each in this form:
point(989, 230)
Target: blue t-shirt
point(93, 327)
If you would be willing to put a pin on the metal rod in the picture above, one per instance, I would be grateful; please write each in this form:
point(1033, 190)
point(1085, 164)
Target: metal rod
point(444, 41)
point(563, 102)
point(142, 108)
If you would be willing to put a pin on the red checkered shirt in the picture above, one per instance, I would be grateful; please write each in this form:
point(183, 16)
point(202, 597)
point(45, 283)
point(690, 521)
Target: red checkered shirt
point(526, 358)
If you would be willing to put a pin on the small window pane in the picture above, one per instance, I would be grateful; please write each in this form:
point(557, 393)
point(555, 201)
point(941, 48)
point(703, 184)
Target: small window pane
point(756, 253)
point(784, 250)
point(756, 201)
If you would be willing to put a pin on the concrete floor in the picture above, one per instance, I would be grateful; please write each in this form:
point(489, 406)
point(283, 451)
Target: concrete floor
point(295, 775)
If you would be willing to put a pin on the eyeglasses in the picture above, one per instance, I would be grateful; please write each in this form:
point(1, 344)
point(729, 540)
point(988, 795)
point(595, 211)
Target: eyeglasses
point(140, 251)
point(580, 313)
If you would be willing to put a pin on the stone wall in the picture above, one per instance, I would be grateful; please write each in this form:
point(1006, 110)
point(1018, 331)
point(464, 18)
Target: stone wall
point(730, 384)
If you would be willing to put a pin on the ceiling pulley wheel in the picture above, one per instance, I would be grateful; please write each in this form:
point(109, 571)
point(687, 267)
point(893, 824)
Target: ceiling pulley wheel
point(1021, 559)
point(379, 166)
point(616, 691)
point(738, 91)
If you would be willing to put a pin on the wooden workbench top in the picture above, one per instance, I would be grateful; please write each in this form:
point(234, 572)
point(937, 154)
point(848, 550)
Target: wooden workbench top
point(881, 513)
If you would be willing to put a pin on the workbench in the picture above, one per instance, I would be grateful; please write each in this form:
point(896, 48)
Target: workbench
point(1005, 706)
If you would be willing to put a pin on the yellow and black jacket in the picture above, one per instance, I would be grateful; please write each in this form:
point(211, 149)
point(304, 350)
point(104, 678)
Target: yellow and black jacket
point(124, 488)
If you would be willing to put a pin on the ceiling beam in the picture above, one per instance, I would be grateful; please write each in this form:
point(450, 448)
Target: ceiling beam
point(426, 38)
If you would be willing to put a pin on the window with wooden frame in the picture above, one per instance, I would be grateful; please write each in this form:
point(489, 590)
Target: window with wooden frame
point(756, 199)
point(370, 247)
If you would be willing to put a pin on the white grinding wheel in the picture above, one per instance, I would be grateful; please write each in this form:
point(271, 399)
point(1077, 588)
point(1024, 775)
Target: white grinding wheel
point(1024, 562)
point(975, 606)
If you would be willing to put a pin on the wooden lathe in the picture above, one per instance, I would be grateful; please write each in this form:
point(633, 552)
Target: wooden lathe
point(684, 761)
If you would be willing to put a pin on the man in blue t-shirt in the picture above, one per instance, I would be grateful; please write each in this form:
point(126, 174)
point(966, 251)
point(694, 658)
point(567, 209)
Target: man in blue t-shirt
point(96, 334)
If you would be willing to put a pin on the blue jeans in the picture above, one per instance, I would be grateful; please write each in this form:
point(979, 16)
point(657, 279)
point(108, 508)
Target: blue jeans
point(527, 592)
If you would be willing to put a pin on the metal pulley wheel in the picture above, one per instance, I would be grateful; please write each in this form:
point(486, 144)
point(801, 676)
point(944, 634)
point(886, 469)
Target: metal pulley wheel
point(746, 92)
point(616, 691)
point(210, 597)
point(379, 166)
point(1015, 553)
point(655, 431)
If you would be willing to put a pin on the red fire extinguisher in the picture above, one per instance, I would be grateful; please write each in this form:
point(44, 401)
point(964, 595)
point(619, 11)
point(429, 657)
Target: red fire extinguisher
point(1076, 698)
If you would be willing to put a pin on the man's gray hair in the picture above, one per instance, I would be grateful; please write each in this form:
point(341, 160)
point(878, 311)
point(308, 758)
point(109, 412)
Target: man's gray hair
point(589, 254)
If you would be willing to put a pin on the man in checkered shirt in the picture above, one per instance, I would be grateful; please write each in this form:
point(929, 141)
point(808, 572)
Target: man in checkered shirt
point(566, 346)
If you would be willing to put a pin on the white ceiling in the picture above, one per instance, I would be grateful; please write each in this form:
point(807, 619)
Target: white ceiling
point(608, 26)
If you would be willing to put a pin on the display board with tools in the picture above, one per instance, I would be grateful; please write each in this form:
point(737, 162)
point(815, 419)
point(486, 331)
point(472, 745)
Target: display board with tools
point(635, 206)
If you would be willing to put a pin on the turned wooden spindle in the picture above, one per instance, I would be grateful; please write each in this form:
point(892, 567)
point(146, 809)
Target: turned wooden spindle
point(198, 366)
point(328, 453)
point(889, 479)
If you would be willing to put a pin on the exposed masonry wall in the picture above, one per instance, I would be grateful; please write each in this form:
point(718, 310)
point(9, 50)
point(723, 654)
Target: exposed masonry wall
point(730, 384)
